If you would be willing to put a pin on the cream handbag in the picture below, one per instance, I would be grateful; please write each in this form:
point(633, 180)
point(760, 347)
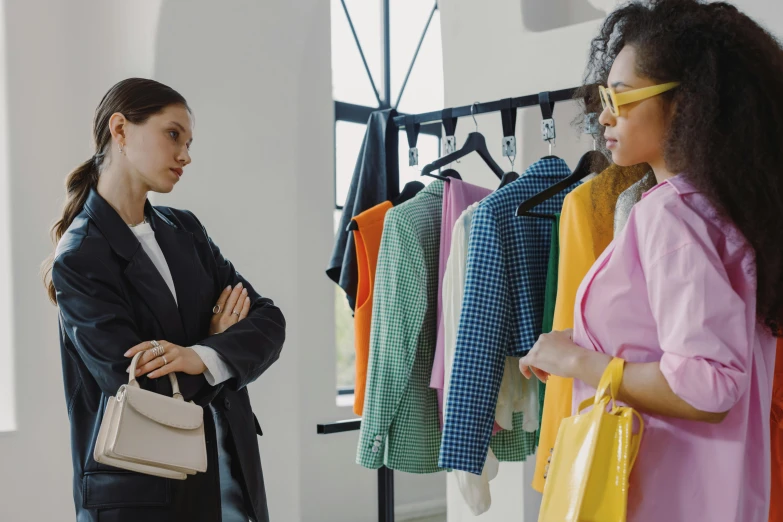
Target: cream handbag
point(150, 433)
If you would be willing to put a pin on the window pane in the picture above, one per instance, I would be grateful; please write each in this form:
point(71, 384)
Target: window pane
point(348, 142)
point(344, 335)
point(428, 152)
point(424, 91)
point(406, 23)
point(350, 82)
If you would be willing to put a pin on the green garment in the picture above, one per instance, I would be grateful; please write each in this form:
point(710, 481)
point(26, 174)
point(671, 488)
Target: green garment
point(400, 426)
point(550, 295)
point(514, 445)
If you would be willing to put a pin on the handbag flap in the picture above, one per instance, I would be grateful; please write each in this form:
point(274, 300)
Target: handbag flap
point(164, 410)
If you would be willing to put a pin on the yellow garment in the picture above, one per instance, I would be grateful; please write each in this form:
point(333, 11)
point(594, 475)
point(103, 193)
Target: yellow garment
point(586, 229)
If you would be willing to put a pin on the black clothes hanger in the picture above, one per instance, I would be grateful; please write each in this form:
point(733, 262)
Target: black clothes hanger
point(548, 134)
point(474, 143)
point(507, 178)
point(411, 189)
point(591, 162)
point(446, 175)
point(582, 170)
point(408, 192)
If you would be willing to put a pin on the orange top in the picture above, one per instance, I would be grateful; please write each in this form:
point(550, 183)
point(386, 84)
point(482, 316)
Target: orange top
point(368, 243)
point(776, 439)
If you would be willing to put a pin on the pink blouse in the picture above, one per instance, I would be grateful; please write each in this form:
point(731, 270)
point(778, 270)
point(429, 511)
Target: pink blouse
point(678, 286)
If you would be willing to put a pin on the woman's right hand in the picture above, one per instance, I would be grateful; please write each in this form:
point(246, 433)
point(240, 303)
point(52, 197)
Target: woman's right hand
point(230, 301)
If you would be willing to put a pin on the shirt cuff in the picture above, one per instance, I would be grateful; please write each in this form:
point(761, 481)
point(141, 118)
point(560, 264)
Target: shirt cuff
point(217, 370)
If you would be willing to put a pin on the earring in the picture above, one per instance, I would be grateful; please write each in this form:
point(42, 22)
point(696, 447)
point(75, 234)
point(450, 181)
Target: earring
point(119, 147)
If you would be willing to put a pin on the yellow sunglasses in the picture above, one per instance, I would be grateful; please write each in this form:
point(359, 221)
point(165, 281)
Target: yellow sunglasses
point(613, 100)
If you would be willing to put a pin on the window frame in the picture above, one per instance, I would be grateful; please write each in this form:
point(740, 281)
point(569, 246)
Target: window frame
point(353, 113)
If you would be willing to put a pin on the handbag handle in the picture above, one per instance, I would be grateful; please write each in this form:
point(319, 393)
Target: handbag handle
point(133, 382)
point(610, 380)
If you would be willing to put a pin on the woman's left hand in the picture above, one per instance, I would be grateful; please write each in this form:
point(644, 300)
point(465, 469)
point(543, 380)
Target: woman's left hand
point(175, 358)
point(553, 354)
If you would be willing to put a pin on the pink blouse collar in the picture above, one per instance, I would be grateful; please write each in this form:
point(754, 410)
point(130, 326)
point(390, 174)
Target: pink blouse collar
point(678, 182)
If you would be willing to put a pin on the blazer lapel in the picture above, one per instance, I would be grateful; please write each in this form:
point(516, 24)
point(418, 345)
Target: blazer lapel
point(178, 249)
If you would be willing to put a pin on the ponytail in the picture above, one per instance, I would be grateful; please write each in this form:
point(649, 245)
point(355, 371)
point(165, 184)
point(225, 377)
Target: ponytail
point(77, 186)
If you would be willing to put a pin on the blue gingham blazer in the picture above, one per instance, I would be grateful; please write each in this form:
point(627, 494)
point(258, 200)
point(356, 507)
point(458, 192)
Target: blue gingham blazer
point(502, 308)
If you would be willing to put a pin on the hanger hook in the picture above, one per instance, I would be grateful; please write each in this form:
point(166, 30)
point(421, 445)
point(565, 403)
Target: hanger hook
point(473, 115)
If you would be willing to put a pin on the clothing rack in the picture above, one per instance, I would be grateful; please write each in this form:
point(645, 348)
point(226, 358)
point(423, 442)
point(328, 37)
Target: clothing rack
point(528, 100)
point(385, 475)
point(546, 100)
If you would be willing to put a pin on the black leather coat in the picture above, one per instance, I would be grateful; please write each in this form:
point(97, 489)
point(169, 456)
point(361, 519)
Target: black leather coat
point(111, 297)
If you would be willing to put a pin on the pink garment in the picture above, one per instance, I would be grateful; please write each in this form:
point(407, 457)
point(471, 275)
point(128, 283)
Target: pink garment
point(457, 197)
point(678, 286)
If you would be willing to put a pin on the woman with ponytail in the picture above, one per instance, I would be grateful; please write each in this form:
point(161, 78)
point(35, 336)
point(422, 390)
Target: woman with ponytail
point(127, 277)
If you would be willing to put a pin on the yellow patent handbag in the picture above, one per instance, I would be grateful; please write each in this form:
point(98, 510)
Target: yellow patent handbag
point(587, 478)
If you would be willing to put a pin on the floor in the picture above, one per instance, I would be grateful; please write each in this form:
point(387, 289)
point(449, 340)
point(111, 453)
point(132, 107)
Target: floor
point(437, 518)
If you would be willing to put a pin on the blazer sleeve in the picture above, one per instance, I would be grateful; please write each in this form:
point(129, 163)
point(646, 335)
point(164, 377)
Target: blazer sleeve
point(98, 320)
point(399, 308)
point(479, 355)
point(250, 346)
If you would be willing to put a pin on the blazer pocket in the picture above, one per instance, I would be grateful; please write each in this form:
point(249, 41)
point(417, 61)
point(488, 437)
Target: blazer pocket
point(258, 426)
point(108, 489)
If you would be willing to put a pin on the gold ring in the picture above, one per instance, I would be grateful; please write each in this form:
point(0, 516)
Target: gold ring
point(216, 309)
point(165, 362)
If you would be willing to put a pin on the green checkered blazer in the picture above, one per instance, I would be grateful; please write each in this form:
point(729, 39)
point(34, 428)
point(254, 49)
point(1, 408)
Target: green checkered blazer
point(400, 427)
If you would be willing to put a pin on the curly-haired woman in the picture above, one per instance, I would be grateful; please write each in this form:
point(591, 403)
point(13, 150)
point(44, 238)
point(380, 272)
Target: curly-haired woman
point(689, 294)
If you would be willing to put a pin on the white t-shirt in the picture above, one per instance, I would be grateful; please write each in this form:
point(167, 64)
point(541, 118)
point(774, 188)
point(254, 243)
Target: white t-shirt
point(217, 370)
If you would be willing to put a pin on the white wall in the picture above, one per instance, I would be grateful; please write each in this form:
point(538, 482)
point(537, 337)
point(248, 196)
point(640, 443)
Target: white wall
point(61, 58)
point(257, 75)
point(494, 41)
point(7, 375)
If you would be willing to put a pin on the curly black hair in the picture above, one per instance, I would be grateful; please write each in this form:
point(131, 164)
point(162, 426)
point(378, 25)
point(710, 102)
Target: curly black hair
point(726, 130)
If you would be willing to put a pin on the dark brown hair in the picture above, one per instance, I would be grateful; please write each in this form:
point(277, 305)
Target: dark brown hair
point(135, 98)
point(724, 132)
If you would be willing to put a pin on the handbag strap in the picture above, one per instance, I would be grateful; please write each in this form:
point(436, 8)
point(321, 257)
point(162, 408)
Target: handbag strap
point(133, 382)
point(636, 439)
point(610, 381)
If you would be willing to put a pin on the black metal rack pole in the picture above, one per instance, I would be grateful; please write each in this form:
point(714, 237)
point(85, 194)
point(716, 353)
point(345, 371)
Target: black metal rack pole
point(385, 475)
point(481, 108)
